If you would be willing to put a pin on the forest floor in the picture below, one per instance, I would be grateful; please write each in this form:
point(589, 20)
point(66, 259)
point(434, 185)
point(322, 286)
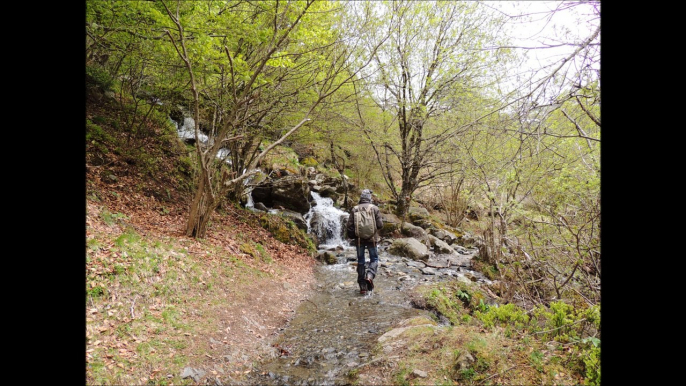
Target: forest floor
point(238, 315)
point(158, 301)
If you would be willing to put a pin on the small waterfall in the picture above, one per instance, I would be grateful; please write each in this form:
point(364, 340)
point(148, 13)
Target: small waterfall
point(186, 130)
point(326, 222)
point(248, 190)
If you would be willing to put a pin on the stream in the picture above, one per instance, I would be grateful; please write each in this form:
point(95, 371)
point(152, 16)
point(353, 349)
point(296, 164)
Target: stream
point(334, 331)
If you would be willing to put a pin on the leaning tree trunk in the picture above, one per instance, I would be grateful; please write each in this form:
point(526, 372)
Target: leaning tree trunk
point(202, 207)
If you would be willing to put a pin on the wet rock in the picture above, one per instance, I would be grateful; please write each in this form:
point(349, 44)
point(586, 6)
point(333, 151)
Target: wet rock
point(409, 247)
point(291, 192)
point(438, 261)
point(261, 207)
point(296, 217)
point(428, 271)
point(328, 257)
point(408, 229)
point(329, 191)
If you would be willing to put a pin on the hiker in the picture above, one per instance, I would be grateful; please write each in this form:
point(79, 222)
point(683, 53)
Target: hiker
point(363, 227)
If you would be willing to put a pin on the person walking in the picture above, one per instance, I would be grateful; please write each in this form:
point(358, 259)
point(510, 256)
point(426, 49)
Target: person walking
point(363, 227)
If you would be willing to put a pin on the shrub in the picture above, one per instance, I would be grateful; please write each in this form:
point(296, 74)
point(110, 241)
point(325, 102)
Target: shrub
point(503, 315)
point(98, 77)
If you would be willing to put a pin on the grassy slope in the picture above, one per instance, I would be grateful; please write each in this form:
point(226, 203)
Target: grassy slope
point(158, 301)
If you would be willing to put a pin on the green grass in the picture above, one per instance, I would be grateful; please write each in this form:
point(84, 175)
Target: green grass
point(110, 218)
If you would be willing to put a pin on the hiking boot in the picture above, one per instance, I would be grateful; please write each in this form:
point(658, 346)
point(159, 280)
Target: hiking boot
point(363, 292)
point(370, 282)
point(363, 288)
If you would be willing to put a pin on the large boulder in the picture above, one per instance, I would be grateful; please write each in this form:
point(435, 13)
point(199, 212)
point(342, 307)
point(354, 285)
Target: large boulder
point(328, 191)
point(439, 246)
point(445, 236)
point(408, 229)
point(289, 192)
point(391, 224)
point(296, 217)
point(471, 241)
point(417, 213)
point(409, 247)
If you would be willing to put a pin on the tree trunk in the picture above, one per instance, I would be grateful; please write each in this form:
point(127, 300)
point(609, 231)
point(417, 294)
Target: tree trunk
point(201, 210)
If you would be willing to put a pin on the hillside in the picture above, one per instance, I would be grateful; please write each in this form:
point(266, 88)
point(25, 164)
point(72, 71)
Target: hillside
point(148, 283)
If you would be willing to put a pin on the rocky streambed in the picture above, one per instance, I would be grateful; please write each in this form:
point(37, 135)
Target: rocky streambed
point(334, 331)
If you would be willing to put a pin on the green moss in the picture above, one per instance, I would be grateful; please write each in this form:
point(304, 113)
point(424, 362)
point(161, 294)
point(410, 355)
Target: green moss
point(247, 248)
point(309, 161)
point(287, 232)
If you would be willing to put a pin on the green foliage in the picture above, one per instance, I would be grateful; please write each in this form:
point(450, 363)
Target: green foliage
point(467, 374)
point(536, 359)
point(483, 307)
point(110, 218)
point(98, 77)
point(464, 296)
point(491, 272)
point(118, 269)
point(93, 244)
point(442, 301)
point(591, 360)
point(502, 315)
point(96, 292)
point(96, 136)
point(401, 377)
point(248, 249)
point(266, 257)
point(128, 237)
point(562, 321)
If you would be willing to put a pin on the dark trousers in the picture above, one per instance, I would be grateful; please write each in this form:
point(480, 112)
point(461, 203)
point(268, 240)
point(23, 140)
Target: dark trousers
point(366, 269)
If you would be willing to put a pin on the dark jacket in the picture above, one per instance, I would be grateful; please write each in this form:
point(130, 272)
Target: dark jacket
point(350, 226)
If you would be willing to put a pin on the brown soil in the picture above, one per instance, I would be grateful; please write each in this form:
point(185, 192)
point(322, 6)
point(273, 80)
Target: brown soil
point(233, 324)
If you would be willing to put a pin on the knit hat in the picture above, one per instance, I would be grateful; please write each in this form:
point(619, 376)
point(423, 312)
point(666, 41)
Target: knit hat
point(366, 194)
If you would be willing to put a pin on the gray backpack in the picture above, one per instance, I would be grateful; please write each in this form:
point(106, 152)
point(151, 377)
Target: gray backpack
point(365, 223)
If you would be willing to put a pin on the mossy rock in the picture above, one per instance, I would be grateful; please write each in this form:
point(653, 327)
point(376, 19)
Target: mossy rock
point(309, 161)
point(247, 248)
point(328, 257)
point(389, 229)
point(287, 232)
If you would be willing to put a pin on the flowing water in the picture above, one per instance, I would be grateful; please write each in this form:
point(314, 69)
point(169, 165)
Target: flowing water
point(334, 331)
point(326, 222)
